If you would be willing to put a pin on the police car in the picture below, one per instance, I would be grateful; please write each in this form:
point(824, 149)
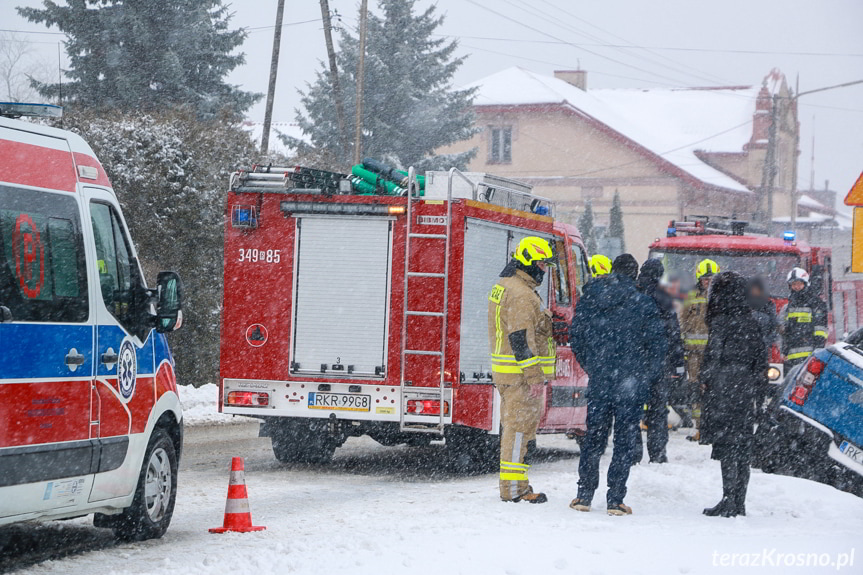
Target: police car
point(816, 428)
point(90, 419)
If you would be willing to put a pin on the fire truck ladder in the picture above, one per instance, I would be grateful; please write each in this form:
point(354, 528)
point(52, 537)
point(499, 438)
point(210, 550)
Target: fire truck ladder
point(407, 390)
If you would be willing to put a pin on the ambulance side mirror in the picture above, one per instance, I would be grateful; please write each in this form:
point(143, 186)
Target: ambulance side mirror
point(169, 306)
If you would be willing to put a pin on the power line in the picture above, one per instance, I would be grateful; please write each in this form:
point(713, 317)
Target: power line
point(30, 32)
point(669, 48)
point(285, 25)
point(556, 21)
point(630, 45)
point(544, 33)
point(558, 64)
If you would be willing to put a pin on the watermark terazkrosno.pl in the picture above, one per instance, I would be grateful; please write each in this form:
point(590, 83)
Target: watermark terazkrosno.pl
point(767, 558)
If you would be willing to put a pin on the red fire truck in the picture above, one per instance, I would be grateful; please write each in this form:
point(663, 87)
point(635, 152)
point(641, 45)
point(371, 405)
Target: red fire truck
point(348, 314)
point(725, 241)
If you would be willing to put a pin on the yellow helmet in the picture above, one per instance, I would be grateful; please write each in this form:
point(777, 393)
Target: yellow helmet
point(706, 267)
point(532, 249)
point(599, 265)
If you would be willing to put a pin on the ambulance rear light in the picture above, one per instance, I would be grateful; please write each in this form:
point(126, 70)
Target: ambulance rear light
point(427, 407)
point(806, 380)
point(247, 399)
point(340, 209)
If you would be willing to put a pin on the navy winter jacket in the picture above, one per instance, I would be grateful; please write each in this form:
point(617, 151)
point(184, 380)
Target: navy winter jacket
point(618, 338)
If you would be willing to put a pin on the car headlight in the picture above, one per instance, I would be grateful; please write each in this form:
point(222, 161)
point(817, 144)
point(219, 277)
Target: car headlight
point(773, 374)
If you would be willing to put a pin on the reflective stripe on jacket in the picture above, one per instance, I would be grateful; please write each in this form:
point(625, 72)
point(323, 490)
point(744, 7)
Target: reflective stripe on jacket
point(519, 332)
point(804, 323)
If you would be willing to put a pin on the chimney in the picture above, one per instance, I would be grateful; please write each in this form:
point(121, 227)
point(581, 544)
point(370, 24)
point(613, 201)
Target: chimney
point(577, 78)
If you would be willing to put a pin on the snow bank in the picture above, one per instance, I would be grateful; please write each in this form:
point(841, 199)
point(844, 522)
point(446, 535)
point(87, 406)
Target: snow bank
point(201, 406)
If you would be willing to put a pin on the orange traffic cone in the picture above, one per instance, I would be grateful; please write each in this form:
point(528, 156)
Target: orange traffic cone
point(238, 517)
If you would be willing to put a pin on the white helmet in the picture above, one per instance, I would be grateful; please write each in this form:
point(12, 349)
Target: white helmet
point(798, 274)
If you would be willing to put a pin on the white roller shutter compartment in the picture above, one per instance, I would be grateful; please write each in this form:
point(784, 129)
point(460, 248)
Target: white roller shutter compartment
point(341, 296)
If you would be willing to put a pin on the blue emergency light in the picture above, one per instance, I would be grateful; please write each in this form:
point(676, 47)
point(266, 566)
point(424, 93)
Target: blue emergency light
point(244, 217)
point(672, 232)
point(789, 237)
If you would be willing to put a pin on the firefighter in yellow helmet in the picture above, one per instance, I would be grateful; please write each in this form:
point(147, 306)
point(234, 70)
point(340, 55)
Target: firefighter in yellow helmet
point(522, 360)
point(693, 327)
point(599, 265)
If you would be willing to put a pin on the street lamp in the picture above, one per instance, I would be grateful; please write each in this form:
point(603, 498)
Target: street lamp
point(798, 94)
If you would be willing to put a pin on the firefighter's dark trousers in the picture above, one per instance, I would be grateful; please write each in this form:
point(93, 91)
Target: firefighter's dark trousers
point(656, 419)
point(519, 414)
point(603, 410)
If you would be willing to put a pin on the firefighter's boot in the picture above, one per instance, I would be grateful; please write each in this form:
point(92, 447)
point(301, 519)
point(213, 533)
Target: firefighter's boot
point(531, 497)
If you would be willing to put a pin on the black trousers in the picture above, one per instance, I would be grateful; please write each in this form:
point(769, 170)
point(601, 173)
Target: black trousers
point(656, 420)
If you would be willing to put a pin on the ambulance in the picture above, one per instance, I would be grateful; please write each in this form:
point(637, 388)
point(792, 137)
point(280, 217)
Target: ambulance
point(90, 419)
point(349, 313)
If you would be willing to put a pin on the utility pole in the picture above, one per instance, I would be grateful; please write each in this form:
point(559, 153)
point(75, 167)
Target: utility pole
point(334, 75)
point(274, 69)
point(358, 135)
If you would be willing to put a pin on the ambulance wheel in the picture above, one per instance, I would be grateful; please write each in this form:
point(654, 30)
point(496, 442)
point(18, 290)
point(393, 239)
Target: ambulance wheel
point(303, 442)
point(153, 505)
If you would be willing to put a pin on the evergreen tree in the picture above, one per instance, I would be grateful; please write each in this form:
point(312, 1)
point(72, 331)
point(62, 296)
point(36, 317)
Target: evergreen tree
point(170, 171)
point(585, 226)
point(615, 224)
point(409, 109)
point(147, 54)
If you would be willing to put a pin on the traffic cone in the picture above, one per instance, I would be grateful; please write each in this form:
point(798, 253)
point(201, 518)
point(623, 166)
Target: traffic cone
point(238, 517)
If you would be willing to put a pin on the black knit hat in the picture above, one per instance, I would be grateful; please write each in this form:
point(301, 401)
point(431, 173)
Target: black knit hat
point(626, 265)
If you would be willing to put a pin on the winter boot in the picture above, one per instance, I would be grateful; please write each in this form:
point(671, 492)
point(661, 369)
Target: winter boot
point(580, 505)
point(619, 509)
point(531, 497)
point(727, 506)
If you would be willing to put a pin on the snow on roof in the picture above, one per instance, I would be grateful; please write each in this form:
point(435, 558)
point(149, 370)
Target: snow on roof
point(256, 130)
point(671, 123)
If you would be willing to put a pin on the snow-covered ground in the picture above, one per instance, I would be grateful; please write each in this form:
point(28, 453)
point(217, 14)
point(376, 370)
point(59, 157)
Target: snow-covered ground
point(379, 511)
point(200, 406)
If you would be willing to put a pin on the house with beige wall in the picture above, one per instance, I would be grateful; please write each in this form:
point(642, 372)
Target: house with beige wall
point(667, 152)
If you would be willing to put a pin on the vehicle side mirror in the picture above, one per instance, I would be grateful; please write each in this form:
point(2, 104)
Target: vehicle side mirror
point(169, 307)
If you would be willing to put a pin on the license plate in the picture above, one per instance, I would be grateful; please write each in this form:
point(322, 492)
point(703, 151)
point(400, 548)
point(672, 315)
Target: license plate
point(340, 401)
point(852, 452)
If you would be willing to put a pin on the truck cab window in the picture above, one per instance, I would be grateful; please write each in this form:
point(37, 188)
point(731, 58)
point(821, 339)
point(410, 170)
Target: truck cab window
point(560, 279)
point(43, 275)
point(582, 273)
point(115, 265)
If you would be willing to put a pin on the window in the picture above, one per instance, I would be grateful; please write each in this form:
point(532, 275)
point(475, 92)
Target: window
point(582, 272)
point(116, 269)
point(559, 276)
point(500, 145)
point(43, 272)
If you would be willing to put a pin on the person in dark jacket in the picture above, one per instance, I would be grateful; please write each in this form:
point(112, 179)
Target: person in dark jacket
point(619, 339)
point(656, 417)
point(734, 377)
point(764, 310)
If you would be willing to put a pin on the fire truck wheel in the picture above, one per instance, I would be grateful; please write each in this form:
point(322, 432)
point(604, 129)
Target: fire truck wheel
point(473, 450)
point(303, 442)
point(153, 505)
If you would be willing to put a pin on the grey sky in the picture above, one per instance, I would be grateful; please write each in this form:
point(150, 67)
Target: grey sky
point(728, 42)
